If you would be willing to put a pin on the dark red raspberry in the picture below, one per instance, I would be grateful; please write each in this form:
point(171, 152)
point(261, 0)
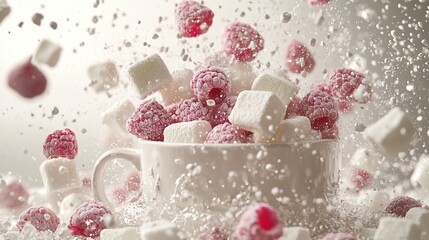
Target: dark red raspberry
point(298, 58)
point(27, 80)
point(41, 218)
point(193, 18)
point(215, 234)
point(331, 133)
point(399, 206)
point(90, 219)
point(211, 83)
point(192, 109)
point(13, 195)
point(318, 2)
point(343, 82)
point(220, 113)
point(61, 143)
point(338, 236)
point(228, 133)
point(360, 178)
point(259, 222)
point(149, 121)
point(293, 107)
point(320, 108)
point(242, 41)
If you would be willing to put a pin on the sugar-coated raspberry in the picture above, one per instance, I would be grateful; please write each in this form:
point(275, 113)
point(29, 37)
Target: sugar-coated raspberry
point(132, 181)
point(27, 80)
point(242, 41)
point(343, 82)
point(221, 112)
point(320, 108)
point(399, 206)
point(171, 110)
point(215, 234)
point(259, 222)
point(228, 133)
point(193, 18)
point(318, 2)
point(360, 178)
point(13, 195)
point(90, 219)
point(331, 133)
point(338, 236)
point(119, 194)
point(61, 143)
point(298, 58)
point(192, 109)
point(211, 83)
point(41, 218)
point(149, 121)
point(292, 107)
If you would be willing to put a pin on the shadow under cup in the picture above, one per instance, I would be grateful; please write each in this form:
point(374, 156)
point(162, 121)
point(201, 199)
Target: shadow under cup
point(290, 177)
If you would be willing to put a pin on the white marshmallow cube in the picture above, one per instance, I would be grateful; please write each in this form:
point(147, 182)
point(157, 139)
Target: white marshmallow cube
point(392, 133)
point(283, 88)
point(159, 230)
point(4, 10)
point(365, 160)
point(187, 132)
point(48, 53)
point(420, 217)
point(420, 177)
point(293, 129)
point(375, 200)
point(70, 203)
point(390, 228)
point(103, 76)
point(126, 233)
point(59, 174)
point(116, 117)
point(295, 233)
point(179, 88)
point(259, 112)
point(150, 75)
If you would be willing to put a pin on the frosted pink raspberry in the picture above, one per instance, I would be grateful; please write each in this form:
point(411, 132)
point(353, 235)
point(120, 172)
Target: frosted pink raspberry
point(171, 110)
point(221, 112)
point(338, 236)
point(228, 133)
point(27, 80)
point(119, 194)
point(259, 222)
point(360, 178)
point(149, 121)
point(193, 18)
point(343, 82)
point(61, 143)
point(13, 195)
point(321, 87)
point(242, 41)
point(215, 234)
point(132, 181)
point(192, 109)
point(320, 108)
point(211, 83)
point(293, 107)
point(344, 105)
point(318, 2)
point(90, 219)
point(399, 206)
point(298, 58)
point(331, 133)
point(41, 218)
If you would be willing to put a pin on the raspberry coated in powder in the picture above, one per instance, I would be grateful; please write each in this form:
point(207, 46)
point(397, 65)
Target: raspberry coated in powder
point(41, 218)
point(298, 58)
point(90, 219)
point(193, 19)
point(320, 108)
point(399, 206)
point(13, 195)
point(242, 41)
point(343, 82)
point(192, 109)
point(211, 83)
point(228, 133)
point(61, 143)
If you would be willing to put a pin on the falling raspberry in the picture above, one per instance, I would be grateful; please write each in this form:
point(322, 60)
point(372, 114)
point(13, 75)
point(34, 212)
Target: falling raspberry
point(242, 41)
point(61, 143)
point(318, 2)
point(27, 80)
point(149, 121)
point(132, 181)
point(399, 206)
point(41, 218)
point(220, 113)
point(90, 219)
point(228, 133)
point(298, 58)
point(211, 83)
point(338, 236)
point(360, 178)
point(215, 234)
point(259, 222)
point(320, 108)
point(13, 195)
point(192, 109)
point(119, 194)
point(193, 18)
point(343, 82)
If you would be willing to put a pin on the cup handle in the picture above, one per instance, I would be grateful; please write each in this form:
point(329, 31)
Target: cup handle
point(131, 155)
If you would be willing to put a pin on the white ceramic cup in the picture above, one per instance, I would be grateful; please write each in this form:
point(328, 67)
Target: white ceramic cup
point(218, 171)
